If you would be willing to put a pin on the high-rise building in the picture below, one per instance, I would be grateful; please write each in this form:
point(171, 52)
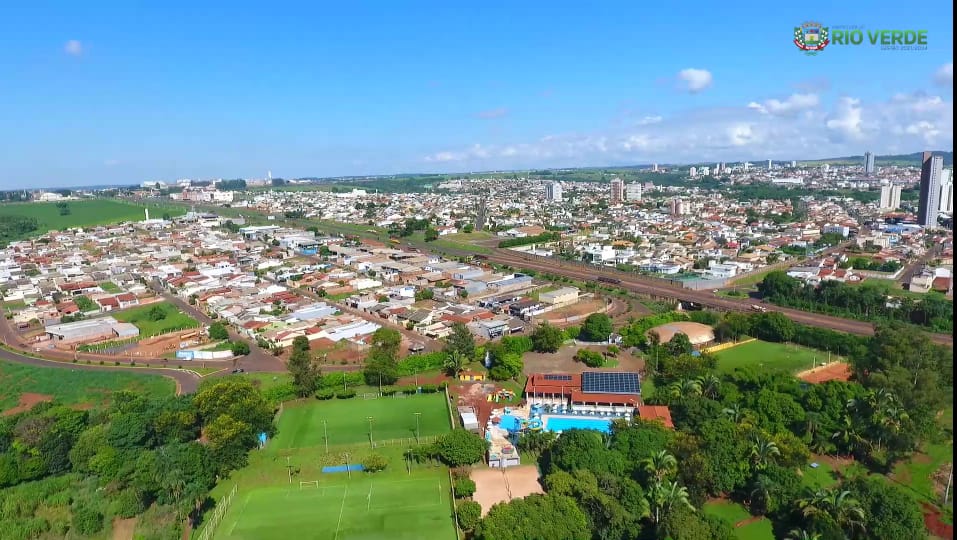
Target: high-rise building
point(947, 191)
point(654, 167)
point(553, 192)
point(890, 197)
point(931, 172)
point(617, 191)
point(794, 164)
point(868, 163)
point(721, 168)
point(481, 214)
point(770, 164)
point(705, 171)
point(633, 192)
point(747, 166)
point(692, 172)
point(679, 207)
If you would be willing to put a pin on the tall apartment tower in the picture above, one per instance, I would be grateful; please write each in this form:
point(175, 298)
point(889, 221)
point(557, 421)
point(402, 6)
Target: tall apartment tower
point(633, 192)
point(770, 164)
point(890, 197)
point(617, 191)
point(481, 215)
point(947, 191)
point(553, 192)
point(931, 174)
point(868, 163)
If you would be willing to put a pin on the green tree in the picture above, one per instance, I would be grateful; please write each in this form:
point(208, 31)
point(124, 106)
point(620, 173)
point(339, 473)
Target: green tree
point(454, 363)
point(679, 344)
point(547, 338)
point(888, 510)
point(156, 313)
point(837, 506)
point(460, 341)
point(460, 447)
point(589, 358)
point(381, 362)
point(375, 462)
point(597, 327)
point(663, 497)
point(218, 331)
point(239, 348)
point(506, 366)
point(555, 517)
point(431, 234)
point(469, 515)
point(304, 370)
point(773, 326)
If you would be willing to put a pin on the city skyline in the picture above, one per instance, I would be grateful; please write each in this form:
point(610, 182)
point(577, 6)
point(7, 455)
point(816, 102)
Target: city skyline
point(99, 98)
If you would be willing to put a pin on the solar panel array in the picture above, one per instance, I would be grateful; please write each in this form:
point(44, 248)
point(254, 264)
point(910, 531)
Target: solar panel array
point(610, 382)
point(552, 377)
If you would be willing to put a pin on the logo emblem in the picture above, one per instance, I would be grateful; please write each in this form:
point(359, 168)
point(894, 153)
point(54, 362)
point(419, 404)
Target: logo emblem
point(811, 37)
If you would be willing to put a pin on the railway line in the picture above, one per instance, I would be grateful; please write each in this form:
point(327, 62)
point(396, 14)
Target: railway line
point(664, 290)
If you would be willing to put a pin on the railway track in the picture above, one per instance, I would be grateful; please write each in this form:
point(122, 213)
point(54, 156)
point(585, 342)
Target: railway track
point(672, 292)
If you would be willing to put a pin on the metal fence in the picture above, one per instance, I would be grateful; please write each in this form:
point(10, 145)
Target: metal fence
point(218, 514)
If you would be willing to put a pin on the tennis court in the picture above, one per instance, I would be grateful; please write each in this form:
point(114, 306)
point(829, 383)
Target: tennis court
point(338, 508)
point(346, 421)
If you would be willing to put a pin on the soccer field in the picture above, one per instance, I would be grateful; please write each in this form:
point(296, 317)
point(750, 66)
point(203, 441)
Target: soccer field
point(367, 506)
point(347, 420)
point(771, 356)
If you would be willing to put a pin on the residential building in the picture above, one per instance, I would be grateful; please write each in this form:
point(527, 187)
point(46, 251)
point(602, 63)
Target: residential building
point(617, 191)
point(947, 191)
point(692, 172)
point(890, 197)
point(553, 192)
point(868, 163)
point(633, 192)
point(931, 173)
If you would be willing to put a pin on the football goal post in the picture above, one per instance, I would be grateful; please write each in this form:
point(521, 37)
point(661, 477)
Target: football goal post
point(308, 483)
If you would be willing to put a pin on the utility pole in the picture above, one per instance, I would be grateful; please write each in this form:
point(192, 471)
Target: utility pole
point(348, 468)
point(289, 469)
point(950, 479)
point(325, 435)
point(371, 443)
point(417, 427)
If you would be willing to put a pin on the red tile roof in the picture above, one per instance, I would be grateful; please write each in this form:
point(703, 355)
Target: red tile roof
point(656, 413)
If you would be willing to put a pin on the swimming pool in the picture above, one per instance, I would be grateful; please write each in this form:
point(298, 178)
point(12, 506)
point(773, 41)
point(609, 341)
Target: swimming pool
point(563, 423)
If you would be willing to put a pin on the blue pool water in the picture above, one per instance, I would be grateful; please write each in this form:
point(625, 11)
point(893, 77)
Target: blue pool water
point(509, 422)
point(563, 423)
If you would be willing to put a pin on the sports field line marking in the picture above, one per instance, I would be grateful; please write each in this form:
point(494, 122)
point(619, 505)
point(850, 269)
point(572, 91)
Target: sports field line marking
point(236, 521)
point(369, 497)
point(341, 508)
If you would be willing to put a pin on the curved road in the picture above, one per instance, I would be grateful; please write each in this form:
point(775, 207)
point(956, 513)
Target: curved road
point(704, 298)
point(186, 382)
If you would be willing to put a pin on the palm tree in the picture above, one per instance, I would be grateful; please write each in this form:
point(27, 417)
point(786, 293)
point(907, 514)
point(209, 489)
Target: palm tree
point(710, 385)
point(848, 435)
point(763, 451)
point(683, 388)
point(659, 466)
point(839, 506)
point(760, 491)
point(664, 497)
point(454, 363)
point(813, 422)
point(801, 534)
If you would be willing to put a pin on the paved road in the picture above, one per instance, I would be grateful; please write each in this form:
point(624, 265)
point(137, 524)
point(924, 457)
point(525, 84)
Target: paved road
point(704, 298)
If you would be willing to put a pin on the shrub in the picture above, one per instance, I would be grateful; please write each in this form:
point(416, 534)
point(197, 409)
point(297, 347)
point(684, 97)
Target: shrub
point(429, 388)
point(572, 332)
point(346, 394)
point(409, 390)
point(375, 462)
point(128, 503)
point(101, 362)
point(389, 391)
point(87, 521)
point(464, 487)
point(469, 514)
point(74, 360)
point(589, 358)
point(325, 394)
point(116, 363)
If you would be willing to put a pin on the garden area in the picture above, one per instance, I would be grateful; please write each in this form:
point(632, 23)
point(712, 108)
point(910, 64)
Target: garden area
point(155, 319)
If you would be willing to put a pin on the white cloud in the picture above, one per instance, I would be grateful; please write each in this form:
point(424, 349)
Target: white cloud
point(695, 80)
point(945, 75)
point(790, 106)
point(648, 120)
point(493, 113)
point(73, 47)
point(798, 127)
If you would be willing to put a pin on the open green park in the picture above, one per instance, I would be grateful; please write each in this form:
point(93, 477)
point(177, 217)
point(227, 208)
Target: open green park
point(732, 513)
point(770, 356)
point(75, 387)
point(157, 318)
point(283, 492)
point(83, 213)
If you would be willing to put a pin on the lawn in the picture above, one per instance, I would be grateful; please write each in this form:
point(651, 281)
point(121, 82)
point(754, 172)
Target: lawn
point(85, 213)
point(771, 356)
point(110, 287)
point(347, 420)
point(173, 319)
point(818, 478)
point(733, 513)
point(405, 501)
point(75, 386)
point(916, 474)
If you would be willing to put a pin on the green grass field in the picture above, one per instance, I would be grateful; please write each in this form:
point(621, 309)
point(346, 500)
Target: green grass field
point(771, 356)
point(821, 477)
point(733, 513)
point(75, 387)
point(110, 287)
point(139, 316)
point(347, 420)
point(404, 501)
point(85, 213)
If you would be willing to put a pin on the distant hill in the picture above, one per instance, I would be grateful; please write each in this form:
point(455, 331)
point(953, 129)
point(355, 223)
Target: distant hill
point(897, 159)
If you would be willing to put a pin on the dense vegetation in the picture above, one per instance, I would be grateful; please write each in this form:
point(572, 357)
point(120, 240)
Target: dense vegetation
point(747, 436)
point(528, 240)
point(865, 302)
point(16, 227)
point(69, 472)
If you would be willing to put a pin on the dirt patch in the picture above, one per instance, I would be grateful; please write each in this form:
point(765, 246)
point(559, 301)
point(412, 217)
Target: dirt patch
point(934, 524)
point(522, 481)
point(475, 395)
point(563, 361)
point(156, 347)
point(123, 528)
point(493, 486)
point(746, 522)
point(27, 401)
point(835, 371)
point(573, 314)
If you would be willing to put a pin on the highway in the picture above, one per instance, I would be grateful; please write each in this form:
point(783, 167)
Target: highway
point(704, 298)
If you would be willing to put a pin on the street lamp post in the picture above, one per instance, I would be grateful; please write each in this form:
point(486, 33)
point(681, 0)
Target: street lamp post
point(417, 415)
point(371, 443)
point(348, 468)
point(325, 435)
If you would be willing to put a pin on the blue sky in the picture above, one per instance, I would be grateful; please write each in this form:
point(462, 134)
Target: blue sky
point(108, 92)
